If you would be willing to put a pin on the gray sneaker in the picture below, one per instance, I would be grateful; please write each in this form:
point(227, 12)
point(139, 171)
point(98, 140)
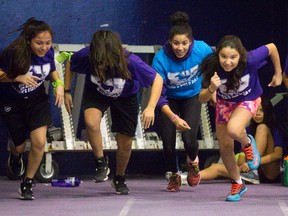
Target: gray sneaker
point(251, 177)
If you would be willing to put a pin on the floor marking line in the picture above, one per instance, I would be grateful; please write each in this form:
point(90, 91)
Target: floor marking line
point(126, 208)
point(283, 207)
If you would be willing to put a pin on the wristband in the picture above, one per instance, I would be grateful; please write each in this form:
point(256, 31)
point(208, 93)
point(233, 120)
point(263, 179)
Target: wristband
point(174, 117)
point(211, 92)
point(56, 83)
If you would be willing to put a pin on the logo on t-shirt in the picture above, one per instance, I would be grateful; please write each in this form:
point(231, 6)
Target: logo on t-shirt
point(7, 108)
point(41, 71)
point(242, 90)
point(183, 78)
point(112, 87)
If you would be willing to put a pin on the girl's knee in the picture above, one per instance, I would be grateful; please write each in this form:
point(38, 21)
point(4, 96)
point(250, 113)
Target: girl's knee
point(92, 127)
point(262, 128)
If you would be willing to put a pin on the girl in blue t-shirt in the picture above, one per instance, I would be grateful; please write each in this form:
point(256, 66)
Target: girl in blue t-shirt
point(177, 62)
point(230, 78)
point(24, 106)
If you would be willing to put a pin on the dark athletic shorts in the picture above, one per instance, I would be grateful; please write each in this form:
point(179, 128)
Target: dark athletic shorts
point(25, 115)
point(264, 179)
point(124, 111)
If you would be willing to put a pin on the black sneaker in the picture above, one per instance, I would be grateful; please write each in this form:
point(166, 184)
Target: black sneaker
point(119, 185)
point(25, 189)
point(102, 170)
point(16, 167)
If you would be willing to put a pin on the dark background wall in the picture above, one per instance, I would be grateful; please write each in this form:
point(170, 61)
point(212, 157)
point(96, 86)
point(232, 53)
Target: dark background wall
point(146, 22)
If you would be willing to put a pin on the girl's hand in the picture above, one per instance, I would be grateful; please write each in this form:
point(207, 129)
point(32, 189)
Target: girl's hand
point(68, 102)
point(244, 168)
point(276, 81)
point(28, 80)
point(59, 95)
point(148, 117)
point(181, 124)
point(215, 82)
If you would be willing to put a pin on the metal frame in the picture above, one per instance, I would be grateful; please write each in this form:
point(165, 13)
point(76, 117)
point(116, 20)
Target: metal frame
point(143, 140)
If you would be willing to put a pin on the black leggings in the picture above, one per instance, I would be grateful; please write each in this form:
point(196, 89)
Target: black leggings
point(189, 110)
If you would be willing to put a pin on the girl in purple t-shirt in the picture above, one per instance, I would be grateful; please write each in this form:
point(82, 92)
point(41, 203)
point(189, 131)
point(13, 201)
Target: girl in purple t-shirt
point(113, 78)
point(24, 106)
point(230, 78)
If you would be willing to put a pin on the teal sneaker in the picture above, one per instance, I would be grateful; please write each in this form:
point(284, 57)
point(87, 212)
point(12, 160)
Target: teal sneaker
point(252, 154)
point(237, 190)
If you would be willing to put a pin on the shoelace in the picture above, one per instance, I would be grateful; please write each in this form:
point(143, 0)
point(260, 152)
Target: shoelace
point(193, 168)
point(120, 184)
point(235, 188)
point(248, 152)
point(173, 180)
point(29, 186)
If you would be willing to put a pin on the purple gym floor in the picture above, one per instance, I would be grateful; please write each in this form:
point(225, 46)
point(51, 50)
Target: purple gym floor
point(147, 198)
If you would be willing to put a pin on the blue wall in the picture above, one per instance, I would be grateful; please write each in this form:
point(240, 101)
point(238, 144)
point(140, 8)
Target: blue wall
point(146, 22)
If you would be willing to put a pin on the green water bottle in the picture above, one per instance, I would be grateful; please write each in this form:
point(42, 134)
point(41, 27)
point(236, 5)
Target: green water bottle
point(285, 172)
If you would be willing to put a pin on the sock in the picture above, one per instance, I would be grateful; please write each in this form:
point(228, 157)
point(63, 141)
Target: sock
point(248, 144)
point(196, 160)
point(27, 179)
point(239, 181)
point(189, 161)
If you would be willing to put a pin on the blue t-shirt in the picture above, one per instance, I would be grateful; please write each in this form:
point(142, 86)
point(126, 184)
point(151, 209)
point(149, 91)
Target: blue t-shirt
point(40, 67)
point(182, 78)
point(141, 74)
point(250, 88)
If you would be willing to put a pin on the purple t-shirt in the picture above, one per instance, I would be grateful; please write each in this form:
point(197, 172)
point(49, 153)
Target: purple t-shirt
point(250, 88)
point(286, 65)
point(40, 67)
point(141, 74)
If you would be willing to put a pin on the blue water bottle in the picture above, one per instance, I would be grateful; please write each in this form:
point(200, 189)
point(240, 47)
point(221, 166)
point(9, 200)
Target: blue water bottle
point(66, 182)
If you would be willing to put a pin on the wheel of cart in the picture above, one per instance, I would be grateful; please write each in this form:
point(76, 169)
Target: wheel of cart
point(10, 175)
point(47, 170)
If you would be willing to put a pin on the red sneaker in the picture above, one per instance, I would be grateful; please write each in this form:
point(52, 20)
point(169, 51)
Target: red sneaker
point(174, 183)
point(193, 177)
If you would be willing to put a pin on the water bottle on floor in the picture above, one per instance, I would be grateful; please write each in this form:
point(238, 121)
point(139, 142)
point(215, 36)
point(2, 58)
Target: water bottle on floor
point(285, 172)
point(66, 182)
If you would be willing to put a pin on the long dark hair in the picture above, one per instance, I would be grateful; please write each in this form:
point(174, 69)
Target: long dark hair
point(269, 117)
point(19, 51)
point(180, 25)
point(107, 56)
point(211, 63)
